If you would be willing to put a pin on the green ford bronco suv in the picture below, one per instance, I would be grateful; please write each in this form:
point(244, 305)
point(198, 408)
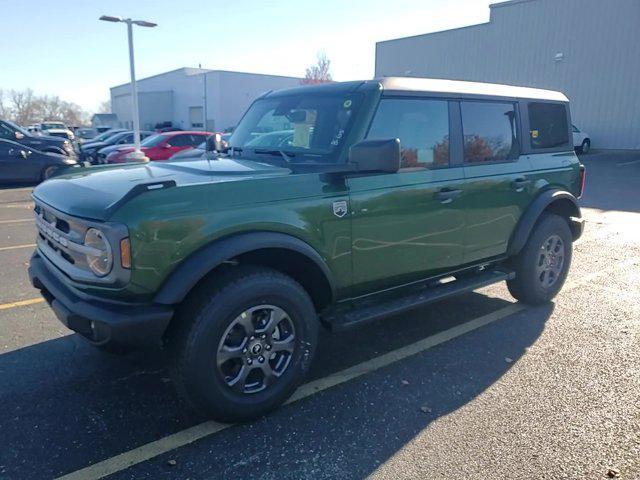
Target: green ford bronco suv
point(331, 205)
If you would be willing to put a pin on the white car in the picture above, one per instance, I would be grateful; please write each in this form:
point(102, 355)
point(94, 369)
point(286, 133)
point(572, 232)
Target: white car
point(55, 129)
point(581, 140)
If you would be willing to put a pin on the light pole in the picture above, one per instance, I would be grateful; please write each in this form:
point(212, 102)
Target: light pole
point(137, 153)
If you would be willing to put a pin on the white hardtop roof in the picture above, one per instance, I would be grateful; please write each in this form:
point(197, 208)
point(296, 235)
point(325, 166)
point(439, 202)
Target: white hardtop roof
point(453, 87)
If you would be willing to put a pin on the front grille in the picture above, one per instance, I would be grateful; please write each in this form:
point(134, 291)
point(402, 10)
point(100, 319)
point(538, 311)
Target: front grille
point(61, 237)
point(61, 241)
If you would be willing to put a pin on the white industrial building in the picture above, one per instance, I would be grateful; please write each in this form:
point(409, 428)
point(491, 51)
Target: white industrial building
point(588, 49)
point(178, 97)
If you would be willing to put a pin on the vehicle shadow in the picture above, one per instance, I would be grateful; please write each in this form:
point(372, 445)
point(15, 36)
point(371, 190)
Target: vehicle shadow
point(66, 406)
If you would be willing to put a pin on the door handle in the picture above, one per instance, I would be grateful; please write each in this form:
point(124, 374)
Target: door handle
point(519, 183)
point(446, 195)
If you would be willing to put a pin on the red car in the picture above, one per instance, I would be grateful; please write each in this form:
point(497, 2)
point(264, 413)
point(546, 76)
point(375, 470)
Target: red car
point(161, 146)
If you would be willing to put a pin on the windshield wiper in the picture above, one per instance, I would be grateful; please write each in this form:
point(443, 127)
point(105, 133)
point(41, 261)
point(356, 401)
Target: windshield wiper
point(286, 156)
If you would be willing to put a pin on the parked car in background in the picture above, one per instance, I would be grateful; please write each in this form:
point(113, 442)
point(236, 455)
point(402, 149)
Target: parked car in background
point(124, 139)
point(201, 149)
point(87, 148)
point(162, 146)
point(190, 153)
point(84, 134)
point(104, 129)
point(56, 129)
point(19, 163)
point(581, 140)
point(43, 143)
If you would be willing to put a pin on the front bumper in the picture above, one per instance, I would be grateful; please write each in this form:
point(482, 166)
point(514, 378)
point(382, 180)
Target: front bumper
point(99, 321)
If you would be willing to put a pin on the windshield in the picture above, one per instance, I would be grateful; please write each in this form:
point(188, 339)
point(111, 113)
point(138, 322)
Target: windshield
point(105, 135)
point(50, 126)
point(117, 137)
point(308, 128)
point(152, 141)
point(17, 127)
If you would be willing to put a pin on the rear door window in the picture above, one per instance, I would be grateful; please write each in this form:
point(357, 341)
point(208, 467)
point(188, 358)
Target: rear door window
point(548, 125)
point(181, 141)
point(490, 132)
point(422, 125)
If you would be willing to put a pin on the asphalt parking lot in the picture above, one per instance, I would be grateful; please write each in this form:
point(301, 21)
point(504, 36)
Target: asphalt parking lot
point(476, 387)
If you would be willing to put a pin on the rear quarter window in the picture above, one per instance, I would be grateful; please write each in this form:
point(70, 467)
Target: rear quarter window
point(490, 131)
point(548, 125)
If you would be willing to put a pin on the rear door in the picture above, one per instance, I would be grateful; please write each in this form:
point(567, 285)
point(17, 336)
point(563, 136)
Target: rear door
point(497, 187)
point(175, 144)
point(408, 225)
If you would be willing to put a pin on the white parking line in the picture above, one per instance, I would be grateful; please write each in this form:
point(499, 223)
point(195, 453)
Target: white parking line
point(19, 220)
point(16, 247)
point(150, 450)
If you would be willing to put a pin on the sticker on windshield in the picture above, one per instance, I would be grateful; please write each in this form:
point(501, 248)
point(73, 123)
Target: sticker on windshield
point(347, 104)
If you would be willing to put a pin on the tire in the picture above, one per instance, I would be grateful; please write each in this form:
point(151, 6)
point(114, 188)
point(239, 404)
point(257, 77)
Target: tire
point(542, 266)
point(48, 172)
point(216, 318)
point(586, 146)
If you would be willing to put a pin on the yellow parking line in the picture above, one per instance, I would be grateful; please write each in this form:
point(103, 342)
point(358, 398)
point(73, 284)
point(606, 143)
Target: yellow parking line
point(197, 432)
point(19, 220)
point(15, 247)
point(21, 303)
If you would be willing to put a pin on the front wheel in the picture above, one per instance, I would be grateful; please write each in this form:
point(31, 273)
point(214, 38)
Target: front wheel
point(542, 266)
point(48, 172)
point(244, 344)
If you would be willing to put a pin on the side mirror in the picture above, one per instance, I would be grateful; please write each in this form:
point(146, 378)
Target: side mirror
point(216, 144)
point(376, 155)
point(19, 135)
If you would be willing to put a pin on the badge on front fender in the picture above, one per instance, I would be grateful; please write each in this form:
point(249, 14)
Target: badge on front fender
point(340, 208)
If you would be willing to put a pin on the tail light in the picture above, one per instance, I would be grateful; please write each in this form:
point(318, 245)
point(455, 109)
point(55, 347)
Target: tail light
point(583, 176)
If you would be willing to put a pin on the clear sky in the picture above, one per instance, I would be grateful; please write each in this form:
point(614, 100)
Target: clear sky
point(59, 47)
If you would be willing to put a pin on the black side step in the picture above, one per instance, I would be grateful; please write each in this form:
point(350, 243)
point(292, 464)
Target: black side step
point(356, 312)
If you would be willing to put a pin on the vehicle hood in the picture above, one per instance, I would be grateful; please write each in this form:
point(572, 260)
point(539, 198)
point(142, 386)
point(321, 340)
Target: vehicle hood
point(188, 153)
point(36, 139)
point(98, 192)
point(93, 145)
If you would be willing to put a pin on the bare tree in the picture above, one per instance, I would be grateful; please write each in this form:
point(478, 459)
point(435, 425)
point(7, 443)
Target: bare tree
point(319, 72)
point(104, 107)
point(4, 107)
point(24, 108)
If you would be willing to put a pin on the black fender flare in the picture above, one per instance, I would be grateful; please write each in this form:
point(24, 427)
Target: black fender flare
point(533, 212)
point(180, 282)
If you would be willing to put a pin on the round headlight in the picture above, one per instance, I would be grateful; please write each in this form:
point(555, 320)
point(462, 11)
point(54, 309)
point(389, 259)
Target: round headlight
point(101, 262)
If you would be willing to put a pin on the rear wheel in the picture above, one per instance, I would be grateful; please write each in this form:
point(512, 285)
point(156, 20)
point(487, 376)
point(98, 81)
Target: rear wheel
point(244, 343)
point(586, 146)
point(48, 173)
point(543, 264)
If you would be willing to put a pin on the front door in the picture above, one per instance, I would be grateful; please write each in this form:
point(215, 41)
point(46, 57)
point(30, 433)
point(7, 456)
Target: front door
point(408, 225)
point(497, 186)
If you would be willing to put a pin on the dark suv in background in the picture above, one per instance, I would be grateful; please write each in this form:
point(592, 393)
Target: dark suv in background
point(15, 133)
